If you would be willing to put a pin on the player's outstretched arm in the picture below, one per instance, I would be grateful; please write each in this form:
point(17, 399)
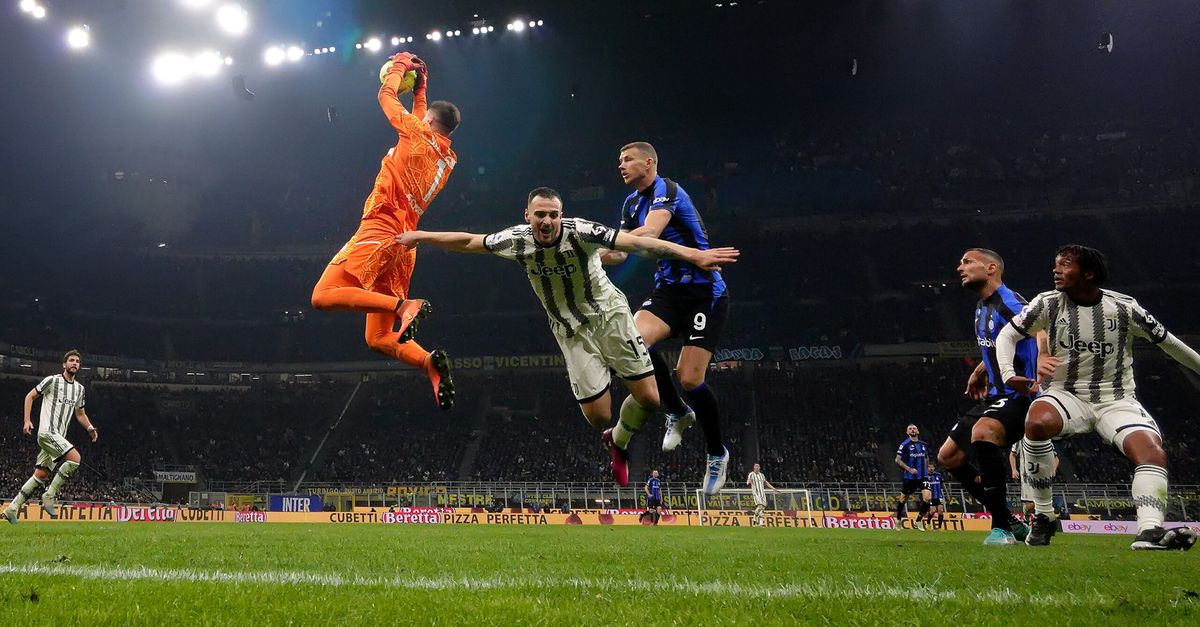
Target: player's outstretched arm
point(389, 92)
point(710, 259)
point(1012, 465)
point(610, 257)
point(27, 426)
point(455, 241)
point(1181, 352)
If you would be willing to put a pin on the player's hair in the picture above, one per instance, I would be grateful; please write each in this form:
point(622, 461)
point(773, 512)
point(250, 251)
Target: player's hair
point(991, 254)
point(72, 353)
point(446, 114)
point(543, 192)
point(643, 148)
point(1089, 260)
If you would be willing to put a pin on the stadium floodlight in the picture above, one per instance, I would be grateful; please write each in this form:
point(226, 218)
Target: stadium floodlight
point(539, 23)
point(274, 55)
point(79, 37)
point(294, 53)
point(27, 6)
point(332, 49)
point(518, 26)
point(410, 40)
point(491, 28)
point(233, 19)
point(449, 33)
point(435, 35)
point(373, 44)
point(207, 63)
point(532, 23)
point(228, 60)
point(358, 46)
point(396, 40)
point(38, 12)
point(195, 4)
point(475, 31)
point(171, 68)
point(457, 32)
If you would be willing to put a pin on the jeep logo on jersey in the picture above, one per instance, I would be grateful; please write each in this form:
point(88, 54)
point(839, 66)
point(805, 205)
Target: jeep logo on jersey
point(659, 200)
point(566, 270)
point(1103, 349)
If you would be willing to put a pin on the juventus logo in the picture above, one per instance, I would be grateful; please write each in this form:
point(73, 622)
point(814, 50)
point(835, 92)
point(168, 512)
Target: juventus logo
point(1033, 467)
point(1110, 324)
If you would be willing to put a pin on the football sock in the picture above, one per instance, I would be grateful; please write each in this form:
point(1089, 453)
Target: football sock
point(923, 510)
point(704, 403)
point(967, 476)
point(899, 508)
point(65, 470)
point(992, 468)
point(668, 396)
point(1038, 474)
point(1149, 495)
point(27, 491)
point(633, 416)
point(941, 522)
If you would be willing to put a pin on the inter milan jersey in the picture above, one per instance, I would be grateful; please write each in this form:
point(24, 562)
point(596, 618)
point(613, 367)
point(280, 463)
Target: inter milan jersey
point(685, 228)
point(991, 314)
point(934, 484)
point(913, 453)
point(654, 485)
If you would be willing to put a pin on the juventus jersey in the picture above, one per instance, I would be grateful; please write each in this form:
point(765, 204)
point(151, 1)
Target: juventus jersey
point(60, 399)
point(758, 487)
point(1095, 343)
point(566, 275)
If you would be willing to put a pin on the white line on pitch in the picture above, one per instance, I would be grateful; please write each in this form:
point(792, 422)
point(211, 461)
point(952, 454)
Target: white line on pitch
point(847, 590)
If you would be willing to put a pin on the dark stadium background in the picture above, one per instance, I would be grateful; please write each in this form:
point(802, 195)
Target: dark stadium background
point(186, 227)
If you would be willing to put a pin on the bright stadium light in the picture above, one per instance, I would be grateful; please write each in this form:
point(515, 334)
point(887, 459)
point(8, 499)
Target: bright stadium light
point(171, 68)
point(332, 49)
point(79, 37)
point(207, 63)
point(195, 4)
point(532, 23)
point(274, 55)
point(395, 41)
point(373, 44)
point(294, 53)
point(540, 23)
point(517, 26)
point(475, 31)
point(233, 19)
point(449, 33)
point(358, 46)
point(228, 60)
point(435, 35)
point(410, 39)
point(38, 12)
point(27, 6)
point(457, 33)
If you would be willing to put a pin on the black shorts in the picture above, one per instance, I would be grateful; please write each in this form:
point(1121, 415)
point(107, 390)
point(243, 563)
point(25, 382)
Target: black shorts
point(936, 502)
point(1010, 411)
point(912, 486)
point(691, 312)
point(652, 503)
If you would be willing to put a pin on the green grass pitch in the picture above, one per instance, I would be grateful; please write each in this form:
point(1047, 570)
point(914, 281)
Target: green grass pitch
point(101, 573)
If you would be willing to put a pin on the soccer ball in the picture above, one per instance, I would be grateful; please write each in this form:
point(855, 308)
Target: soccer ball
point(406, 83)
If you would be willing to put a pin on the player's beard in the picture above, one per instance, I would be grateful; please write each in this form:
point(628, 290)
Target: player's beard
point(975, 286)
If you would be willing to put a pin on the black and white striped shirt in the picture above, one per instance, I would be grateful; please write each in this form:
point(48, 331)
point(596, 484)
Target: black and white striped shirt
point(1094, 342)
point(60, 399)
point(567, 275)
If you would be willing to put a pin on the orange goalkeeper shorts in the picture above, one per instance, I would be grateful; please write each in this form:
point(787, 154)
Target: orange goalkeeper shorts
point(376, 260)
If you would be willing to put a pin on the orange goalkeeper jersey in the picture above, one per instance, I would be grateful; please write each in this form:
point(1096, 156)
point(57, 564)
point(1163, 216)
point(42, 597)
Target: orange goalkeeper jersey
point(415, 169)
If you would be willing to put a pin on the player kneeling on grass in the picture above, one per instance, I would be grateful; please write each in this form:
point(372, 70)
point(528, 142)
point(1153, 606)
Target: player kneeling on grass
point(589, 316)
point(1091, 331)
point(62, 398)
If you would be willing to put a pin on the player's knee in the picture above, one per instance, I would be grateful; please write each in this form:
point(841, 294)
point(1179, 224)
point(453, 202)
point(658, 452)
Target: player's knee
point(951, 456)
point(1143, 448)
point(598, 420)
point(646, 397)
point(41, 473)
point(1042, 423)
point(378, 342)
point(988, 431)
point(690, 379)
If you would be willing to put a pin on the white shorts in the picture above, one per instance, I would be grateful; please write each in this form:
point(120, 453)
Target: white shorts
point(608, 343)
point(1026, 493)
point(1113, 421)
point(51, 448)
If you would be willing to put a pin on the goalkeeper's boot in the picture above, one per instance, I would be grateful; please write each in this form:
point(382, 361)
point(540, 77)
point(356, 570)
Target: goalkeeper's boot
point(50, 505)
point(1020, 530)
point(409, 313)
point(676, 425)
point(1042, 530)
point(618, 459)
point(437, 366)
point(1159, 539)
point(10, 514)
point(714, 479)
point(1000, 537)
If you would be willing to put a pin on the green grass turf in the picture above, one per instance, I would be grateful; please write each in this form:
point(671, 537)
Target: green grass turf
point(358, 574)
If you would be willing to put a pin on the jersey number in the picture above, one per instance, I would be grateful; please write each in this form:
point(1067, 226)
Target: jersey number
point(437, 178)
point(699, 322)
point(634, 347)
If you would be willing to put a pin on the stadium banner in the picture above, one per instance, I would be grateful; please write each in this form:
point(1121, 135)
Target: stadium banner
point(294, 503)
point(1115, 527)
point(477, 516)
point(174, 476)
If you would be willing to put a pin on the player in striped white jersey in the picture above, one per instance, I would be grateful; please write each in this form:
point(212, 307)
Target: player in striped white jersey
point(1091, 330)
point(589, 316)
point(758, 489)
point(62, 399)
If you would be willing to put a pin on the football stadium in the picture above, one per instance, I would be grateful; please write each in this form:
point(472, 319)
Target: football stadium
point(753, 312)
